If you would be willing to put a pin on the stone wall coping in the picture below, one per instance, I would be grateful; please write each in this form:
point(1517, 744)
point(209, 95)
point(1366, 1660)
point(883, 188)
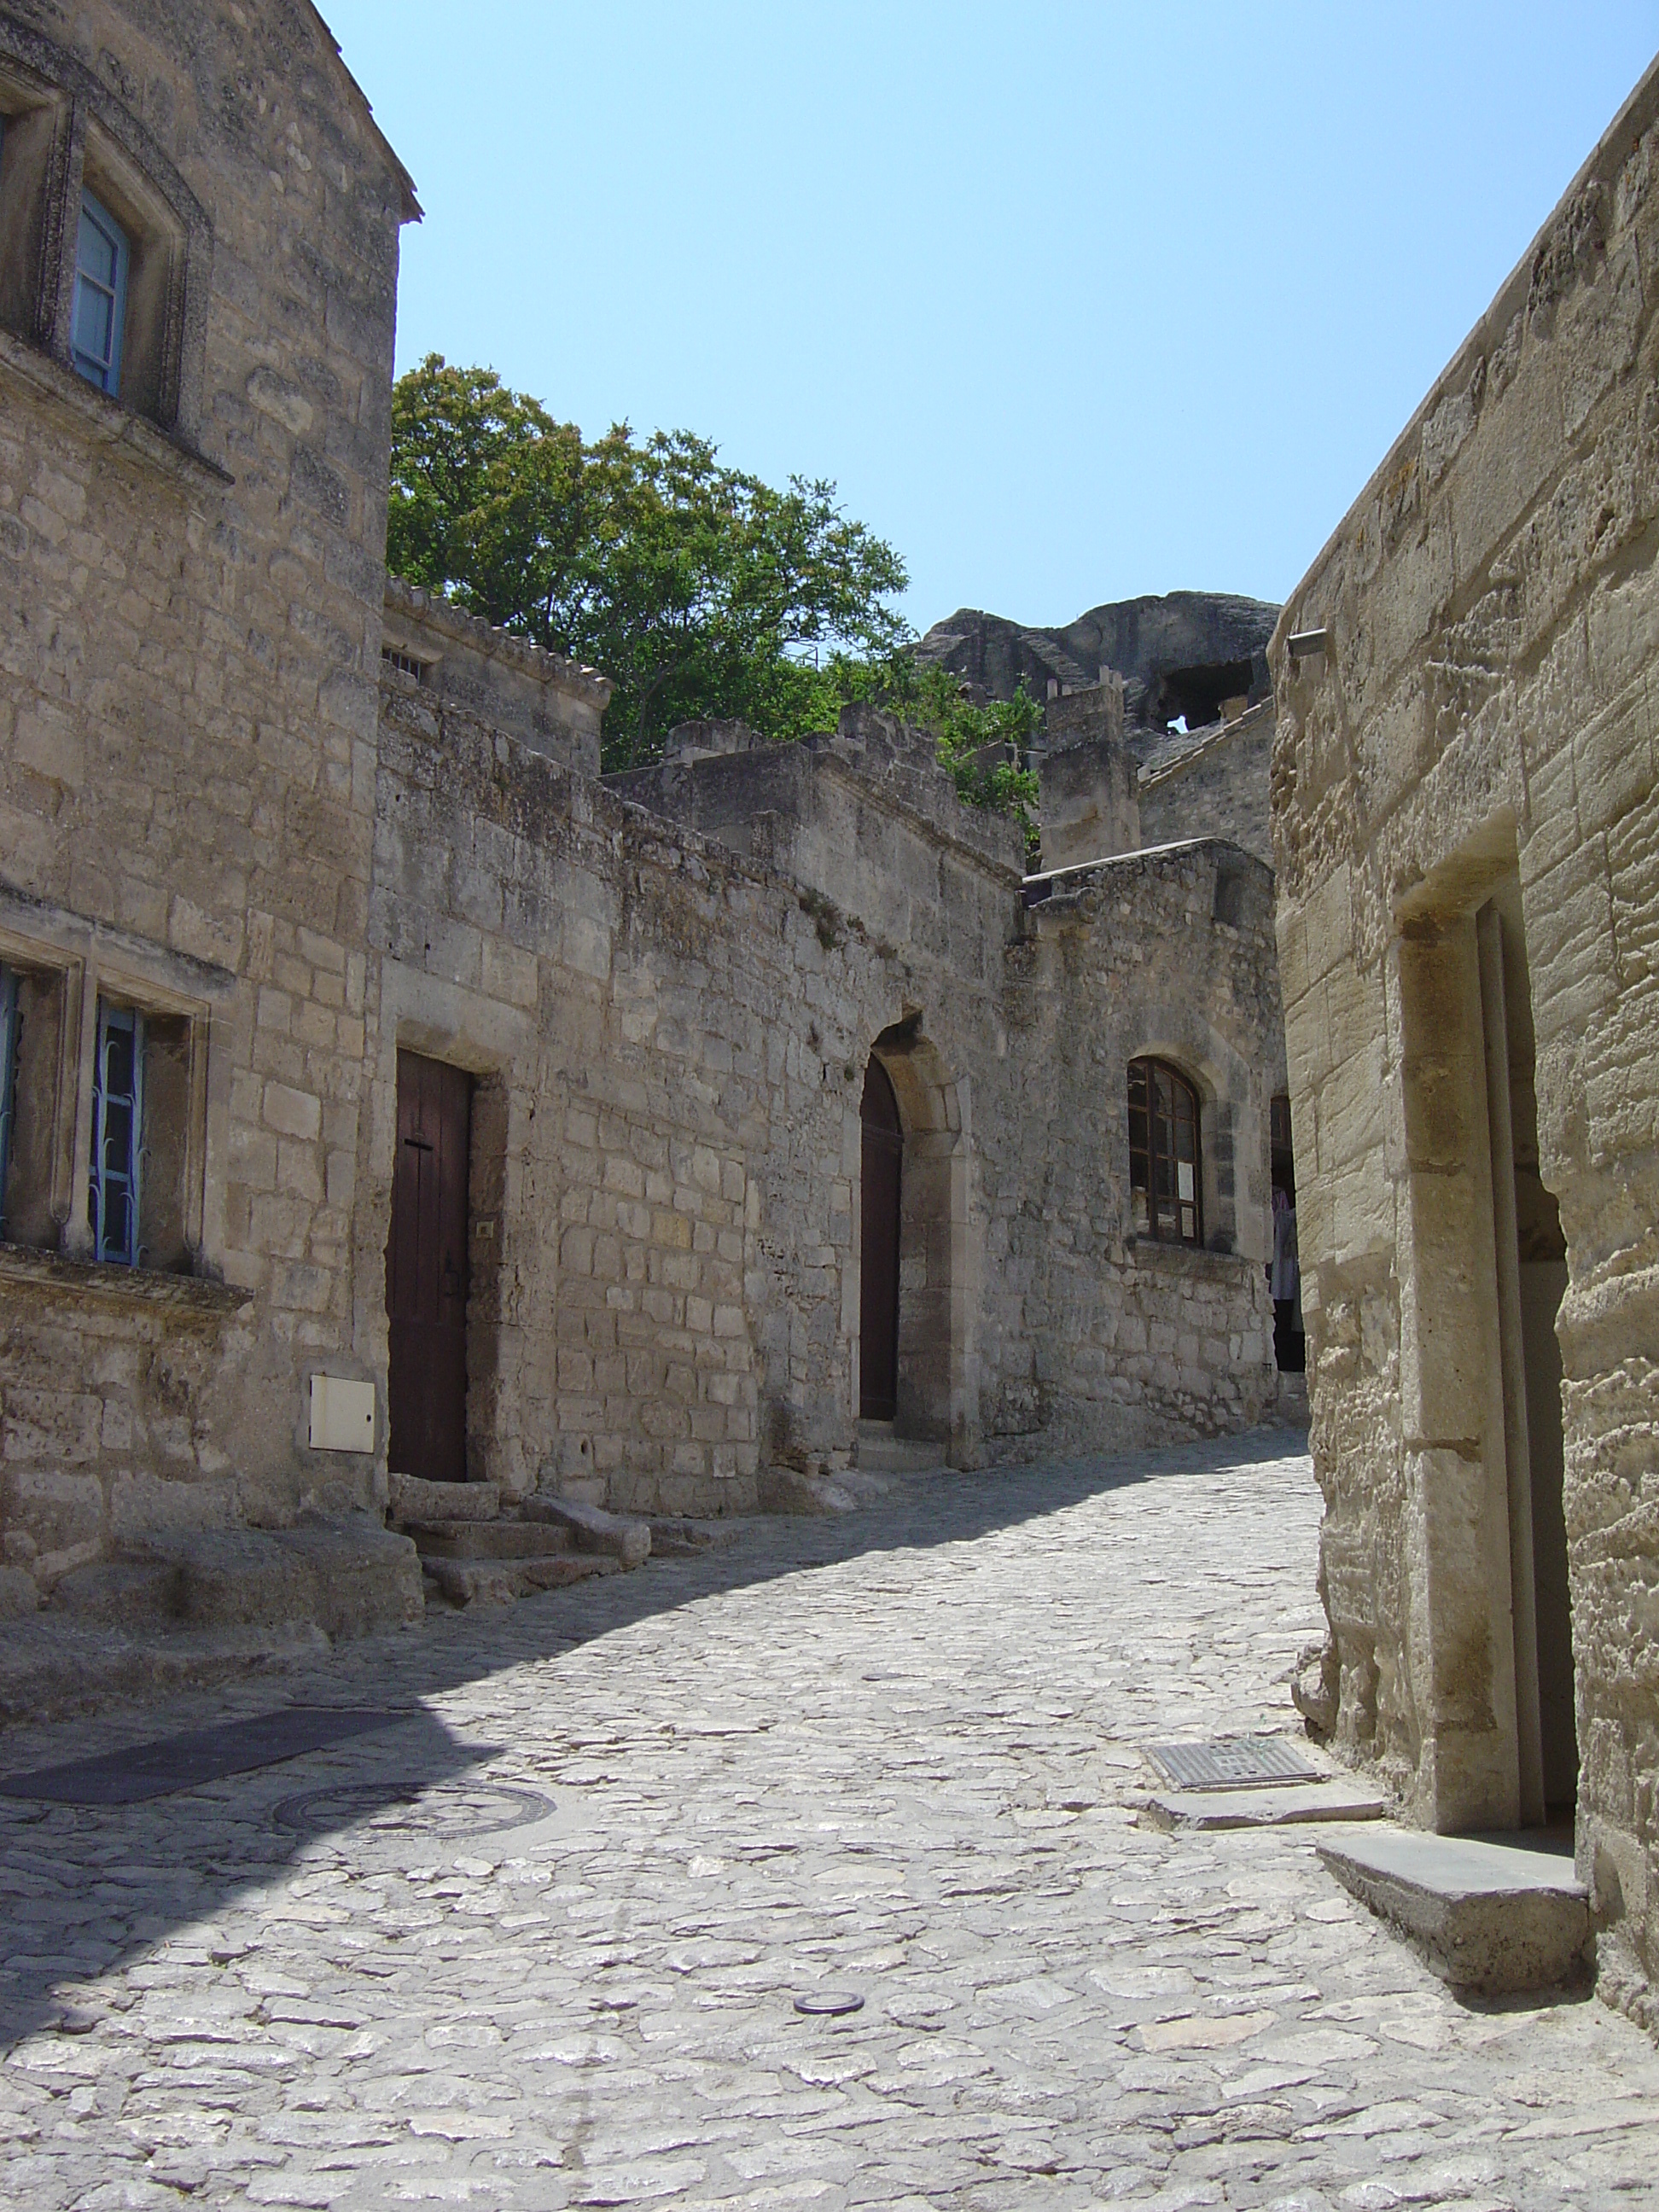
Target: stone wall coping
point(431, 610)
point(1067, 883)
point(887, 800)
point(108, 421)
point(816, 751)
point(1604, 163)
point(55, 1274)
point(1210, 742)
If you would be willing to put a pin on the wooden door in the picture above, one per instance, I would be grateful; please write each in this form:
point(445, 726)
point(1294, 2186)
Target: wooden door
point(879, 1180)
point(426, 1272)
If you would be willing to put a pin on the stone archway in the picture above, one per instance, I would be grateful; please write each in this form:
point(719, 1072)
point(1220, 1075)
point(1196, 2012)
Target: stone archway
point(936, 1393)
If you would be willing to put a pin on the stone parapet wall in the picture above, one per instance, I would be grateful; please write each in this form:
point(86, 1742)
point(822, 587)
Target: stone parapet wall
point(1480, 733)
point(1219, 788)
point(457, 663)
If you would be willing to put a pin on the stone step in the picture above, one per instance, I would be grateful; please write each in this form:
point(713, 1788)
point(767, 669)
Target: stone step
point(785, 1490)
point(882, 1452)
point(1285, 1805)
point(484, 1539)
point(501, 1582)
point(1486, 1916)
point(348, 1578)
point(591, 1529)
point(680, 1536)
point(414, 1498)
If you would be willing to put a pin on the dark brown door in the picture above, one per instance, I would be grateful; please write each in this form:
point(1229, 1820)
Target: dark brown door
point(884, 1155)
point(426, 1272)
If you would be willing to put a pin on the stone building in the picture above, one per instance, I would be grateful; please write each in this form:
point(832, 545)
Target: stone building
point(1466, 826)
point(386, 1094)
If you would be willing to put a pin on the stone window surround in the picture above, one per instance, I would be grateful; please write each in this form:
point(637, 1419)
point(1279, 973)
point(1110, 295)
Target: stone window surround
point(1217, 1120)
point(71, 964)
point(65, 130)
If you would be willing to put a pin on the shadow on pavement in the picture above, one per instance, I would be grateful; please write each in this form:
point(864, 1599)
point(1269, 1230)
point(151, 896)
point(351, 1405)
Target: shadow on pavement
point(88, 1888)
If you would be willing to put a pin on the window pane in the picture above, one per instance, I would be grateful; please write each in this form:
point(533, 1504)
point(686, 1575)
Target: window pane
point(95, 315)
point(101, 258)
point(118, 1061)
point(98, 254)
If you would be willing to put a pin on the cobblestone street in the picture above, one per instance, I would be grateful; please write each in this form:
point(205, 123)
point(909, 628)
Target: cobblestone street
point(895, 1754)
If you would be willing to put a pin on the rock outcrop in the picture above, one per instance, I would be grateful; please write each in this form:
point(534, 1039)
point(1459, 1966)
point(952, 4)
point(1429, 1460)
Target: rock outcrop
point(1184, 656)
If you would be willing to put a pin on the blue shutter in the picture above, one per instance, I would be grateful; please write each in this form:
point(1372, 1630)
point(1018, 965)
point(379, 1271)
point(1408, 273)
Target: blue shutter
point(8, 1079)
point(101, 295)
point(117, 1112)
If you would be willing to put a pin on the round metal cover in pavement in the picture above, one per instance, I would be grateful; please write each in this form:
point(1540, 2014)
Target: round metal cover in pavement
point(442, 1812)
point(830, 2003)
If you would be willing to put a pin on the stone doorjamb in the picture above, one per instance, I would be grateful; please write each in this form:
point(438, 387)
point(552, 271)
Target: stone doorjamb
point(940, 1248)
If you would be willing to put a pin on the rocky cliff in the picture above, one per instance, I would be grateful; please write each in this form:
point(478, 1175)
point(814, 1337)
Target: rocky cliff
point(1181, 657)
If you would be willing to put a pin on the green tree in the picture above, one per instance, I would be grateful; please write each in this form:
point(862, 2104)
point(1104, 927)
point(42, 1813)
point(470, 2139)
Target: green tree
point(968, 733)
point(699, 591)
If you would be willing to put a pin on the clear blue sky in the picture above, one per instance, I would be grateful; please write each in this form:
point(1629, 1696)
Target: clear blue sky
point(1072, 301)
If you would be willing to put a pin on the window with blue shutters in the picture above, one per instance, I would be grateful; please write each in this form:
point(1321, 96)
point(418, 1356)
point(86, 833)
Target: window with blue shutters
point(101, 295)
point(117, 1115)
point(8, 1081)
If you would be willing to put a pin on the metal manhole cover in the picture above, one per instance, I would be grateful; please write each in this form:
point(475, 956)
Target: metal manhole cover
point(1237, 1762)
point(444, 1813)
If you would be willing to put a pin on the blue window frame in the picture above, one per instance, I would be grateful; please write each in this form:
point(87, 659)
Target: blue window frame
point(101, 295)
point(8, 1079)
point(118, 1117)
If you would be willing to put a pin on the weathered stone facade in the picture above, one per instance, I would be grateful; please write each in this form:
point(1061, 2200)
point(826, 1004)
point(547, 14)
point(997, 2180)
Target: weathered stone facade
point(1464, 822)
point(1218, 788)
point(290, 821)
point(187, 746)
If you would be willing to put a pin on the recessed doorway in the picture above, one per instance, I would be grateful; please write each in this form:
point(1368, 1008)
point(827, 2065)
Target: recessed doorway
point(1530, 1257)
point(880, 1213)
point(426, 1271)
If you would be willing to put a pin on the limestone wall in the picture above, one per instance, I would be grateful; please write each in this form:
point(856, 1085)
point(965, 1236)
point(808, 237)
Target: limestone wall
point(1479, 734)
point(453, 661)
point(1106, 1335)
point(187, 731)
point(298, 820)
point(673, 1033)
point(1218, 789)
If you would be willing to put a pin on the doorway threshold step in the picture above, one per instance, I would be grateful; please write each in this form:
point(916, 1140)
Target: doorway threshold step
point(881, 1452)
point(1490, 1918)
point(414, 1498)
point(503, 1582)
point(484, 1539)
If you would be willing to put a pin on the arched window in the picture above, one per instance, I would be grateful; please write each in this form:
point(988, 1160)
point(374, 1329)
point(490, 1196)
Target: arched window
point(1165, 1177)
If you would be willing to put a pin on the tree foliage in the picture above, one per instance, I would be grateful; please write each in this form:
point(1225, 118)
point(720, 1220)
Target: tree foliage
point(700, 591)
point(985, 744)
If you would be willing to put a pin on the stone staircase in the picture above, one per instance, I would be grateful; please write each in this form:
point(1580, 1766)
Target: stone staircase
point(475, 1547)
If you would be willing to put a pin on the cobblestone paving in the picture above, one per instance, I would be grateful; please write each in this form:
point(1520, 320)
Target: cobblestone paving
point(895, 1754)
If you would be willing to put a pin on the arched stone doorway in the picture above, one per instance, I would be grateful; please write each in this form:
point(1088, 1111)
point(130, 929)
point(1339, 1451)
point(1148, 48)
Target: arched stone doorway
point(915, 1195)
point(880, 1199)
